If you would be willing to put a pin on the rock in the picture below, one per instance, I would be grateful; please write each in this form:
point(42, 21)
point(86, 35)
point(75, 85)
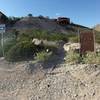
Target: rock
point(31, 68)
point(71, 46)
point(49, 43)
point(44, 42)
point(37, 41)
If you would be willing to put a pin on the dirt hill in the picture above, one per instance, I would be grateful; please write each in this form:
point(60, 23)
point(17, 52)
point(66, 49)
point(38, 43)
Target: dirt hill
point(40, 22)
point(97, 27)
point(47, 24)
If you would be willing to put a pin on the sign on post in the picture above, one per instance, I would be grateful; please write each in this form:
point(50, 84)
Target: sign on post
point(2, 28)
point(87, 41)
point(2, 31)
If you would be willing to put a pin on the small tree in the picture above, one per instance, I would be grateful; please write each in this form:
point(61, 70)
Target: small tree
point(30, 15)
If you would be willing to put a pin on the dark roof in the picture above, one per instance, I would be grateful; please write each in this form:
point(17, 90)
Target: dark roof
point(63, 18)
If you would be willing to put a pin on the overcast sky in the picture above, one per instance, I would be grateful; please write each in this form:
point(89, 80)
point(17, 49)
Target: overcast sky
point(84, 12)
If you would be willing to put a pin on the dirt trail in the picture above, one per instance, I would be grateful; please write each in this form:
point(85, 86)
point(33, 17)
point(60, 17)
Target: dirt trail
point(68, 82)
point(5, 65)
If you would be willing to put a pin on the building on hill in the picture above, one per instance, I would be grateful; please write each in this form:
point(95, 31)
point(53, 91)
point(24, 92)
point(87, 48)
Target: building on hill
point(63, 21)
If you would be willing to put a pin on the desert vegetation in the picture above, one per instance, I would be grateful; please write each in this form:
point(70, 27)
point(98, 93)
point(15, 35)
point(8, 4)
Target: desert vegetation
point(73, 57)
point(40, 69)
point(97, 37)
point(18, 46)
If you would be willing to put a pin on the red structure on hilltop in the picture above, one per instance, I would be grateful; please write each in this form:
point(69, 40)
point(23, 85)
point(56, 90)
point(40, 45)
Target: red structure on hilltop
point(63, 20)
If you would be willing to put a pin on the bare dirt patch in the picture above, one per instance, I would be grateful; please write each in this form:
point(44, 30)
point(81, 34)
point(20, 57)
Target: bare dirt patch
point(69, 82)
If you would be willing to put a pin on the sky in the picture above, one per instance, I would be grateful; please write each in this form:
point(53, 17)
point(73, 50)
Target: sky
point(83, 12)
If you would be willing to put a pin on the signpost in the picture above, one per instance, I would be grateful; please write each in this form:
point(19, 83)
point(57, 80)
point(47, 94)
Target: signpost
point(87, 41)
point(2, 31)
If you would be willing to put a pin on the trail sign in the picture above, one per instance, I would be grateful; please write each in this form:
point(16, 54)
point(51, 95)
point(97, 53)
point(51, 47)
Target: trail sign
point(87, 41)
point(2, 31)
point(2, 28)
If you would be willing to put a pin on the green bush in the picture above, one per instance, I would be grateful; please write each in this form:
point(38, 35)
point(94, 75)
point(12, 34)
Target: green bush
point(24, 50)
point(24, 37)
point(92, 58)
point(41, 34)
point(89, 58)
point(1, 53)
point(43, 56)
point(21, 51)
point(58, 36)
point(50, 48)
point(97, 37)
point(9, 44)
point(74, 39)
point(72, 57)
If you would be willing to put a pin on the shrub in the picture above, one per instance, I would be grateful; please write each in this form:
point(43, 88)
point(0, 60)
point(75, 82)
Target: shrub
point(30, 15)
point(97, 37)
point(51, 48)
point(41, 17)
point(74, 39)
point(21, 51)
point(58, 36)
point(1, 53)
point(9, 44)
point(43, 56)
point(16, 33)
point(9, 41)
point(41, 34)
point(92, 58)
point(89, 58)
point(72, 57)
point(24, 37)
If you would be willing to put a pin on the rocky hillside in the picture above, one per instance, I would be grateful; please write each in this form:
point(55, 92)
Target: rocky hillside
point(97, 27)
point(39, 22)
point(47, 24)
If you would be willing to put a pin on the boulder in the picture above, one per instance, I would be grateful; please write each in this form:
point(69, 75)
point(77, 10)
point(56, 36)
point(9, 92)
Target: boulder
point(44, 42)
point(71, 46)
point(32, 68)
point(37, 41)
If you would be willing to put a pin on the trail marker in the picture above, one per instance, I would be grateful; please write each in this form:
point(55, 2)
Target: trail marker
point(2, 31)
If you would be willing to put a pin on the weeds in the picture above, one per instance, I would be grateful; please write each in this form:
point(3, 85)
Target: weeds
point(43, 56)
point(89, 58)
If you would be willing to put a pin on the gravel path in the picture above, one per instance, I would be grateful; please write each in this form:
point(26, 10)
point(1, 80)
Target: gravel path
point(68, 82)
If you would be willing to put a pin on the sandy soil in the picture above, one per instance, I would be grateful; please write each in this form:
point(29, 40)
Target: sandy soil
point(67, 82)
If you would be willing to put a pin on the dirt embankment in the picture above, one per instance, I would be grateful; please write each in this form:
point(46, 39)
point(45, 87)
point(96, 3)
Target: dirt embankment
point(67, 82)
